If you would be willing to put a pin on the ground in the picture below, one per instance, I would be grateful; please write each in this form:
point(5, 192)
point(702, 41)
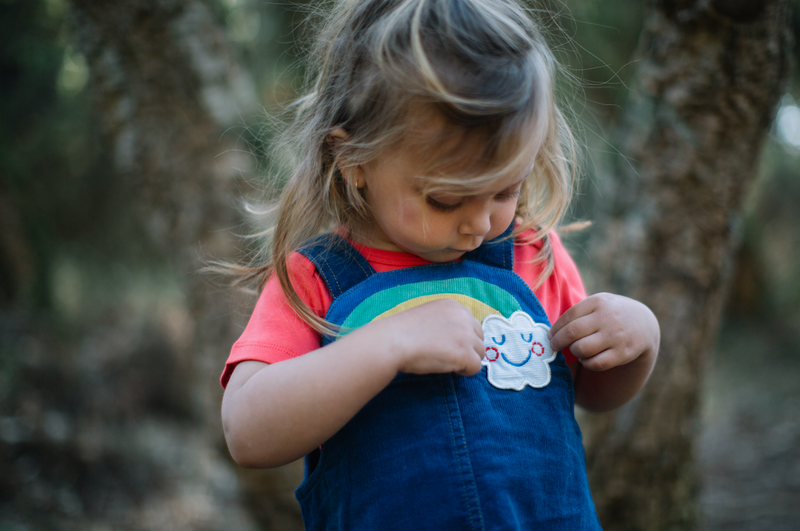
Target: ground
point(750, 443)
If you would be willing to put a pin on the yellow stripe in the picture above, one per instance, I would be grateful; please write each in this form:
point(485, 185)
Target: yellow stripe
point(478, 308)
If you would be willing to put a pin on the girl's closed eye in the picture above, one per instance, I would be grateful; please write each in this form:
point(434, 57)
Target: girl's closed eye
point(507, 196)
point(450, 203)
point(444, 204)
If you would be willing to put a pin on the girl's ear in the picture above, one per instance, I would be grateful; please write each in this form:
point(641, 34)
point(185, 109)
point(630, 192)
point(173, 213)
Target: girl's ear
point(352, 174)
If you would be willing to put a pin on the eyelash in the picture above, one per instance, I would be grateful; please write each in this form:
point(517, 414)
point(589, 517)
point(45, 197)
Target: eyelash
point(507, 197)
point(442, 207)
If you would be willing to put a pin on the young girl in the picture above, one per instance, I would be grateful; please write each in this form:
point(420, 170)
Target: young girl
point(401, 341)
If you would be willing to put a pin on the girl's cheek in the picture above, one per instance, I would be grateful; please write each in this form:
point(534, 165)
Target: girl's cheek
point(409, 213)
point(501, 220)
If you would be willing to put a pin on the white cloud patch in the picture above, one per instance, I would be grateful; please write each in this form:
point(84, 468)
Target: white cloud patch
point(517, 351)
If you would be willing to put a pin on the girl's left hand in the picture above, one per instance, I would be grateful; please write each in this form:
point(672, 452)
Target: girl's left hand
point(605, 331)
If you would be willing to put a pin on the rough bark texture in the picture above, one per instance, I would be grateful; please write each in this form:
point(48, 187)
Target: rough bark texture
point(166, 85)
point(705, 94)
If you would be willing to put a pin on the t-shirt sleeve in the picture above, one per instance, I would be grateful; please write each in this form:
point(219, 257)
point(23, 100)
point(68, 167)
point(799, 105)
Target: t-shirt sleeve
point(275, 332)
point(561, 290)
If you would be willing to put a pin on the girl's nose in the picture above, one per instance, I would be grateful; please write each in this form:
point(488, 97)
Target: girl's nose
point(477, 219)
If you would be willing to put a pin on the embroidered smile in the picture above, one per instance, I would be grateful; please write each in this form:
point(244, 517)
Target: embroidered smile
point(517, 364)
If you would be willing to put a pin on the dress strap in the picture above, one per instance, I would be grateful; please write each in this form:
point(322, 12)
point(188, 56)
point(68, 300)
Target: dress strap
point(498, 252)
point(339, 264)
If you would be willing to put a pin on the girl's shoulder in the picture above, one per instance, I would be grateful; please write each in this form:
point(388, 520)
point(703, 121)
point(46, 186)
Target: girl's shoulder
point(528, 244)
point(530, 264)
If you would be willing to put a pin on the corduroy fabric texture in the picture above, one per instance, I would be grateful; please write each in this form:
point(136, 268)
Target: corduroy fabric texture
point(444, 451)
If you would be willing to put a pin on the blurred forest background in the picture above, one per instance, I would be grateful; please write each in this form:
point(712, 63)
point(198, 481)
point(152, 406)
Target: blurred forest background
point(108, 407)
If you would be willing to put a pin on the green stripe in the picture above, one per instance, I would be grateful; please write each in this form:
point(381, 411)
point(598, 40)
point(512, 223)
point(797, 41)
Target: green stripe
point(387, 299)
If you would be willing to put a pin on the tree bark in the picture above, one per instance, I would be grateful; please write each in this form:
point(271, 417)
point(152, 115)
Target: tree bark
point(166, 85)
point(704, 95)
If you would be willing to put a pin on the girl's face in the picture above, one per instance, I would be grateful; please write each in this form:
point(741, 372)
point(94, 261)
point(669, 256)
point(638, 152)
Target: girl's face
point(435, 227)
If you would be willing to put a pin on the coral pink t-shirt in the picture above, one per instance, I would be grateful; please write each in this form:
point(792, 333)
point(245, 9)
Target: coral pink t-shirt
point(275, 333)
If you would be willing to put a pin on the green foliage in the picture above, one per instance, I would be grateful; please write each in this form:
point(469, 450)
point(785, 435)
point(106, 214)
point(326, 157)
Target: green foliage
point(62, 203)
point(48, 152)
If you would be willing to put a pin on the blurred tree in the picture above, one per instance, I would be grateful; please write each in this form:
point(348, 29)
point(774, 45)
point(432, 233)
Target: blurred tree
point(702, 101)
point(166, 84)
point(32, 118)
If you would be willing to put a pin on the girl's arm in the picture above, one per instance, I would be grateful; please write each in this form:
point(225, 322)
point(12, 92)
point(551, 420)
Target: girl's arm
point(616, 342)
point(275, 414)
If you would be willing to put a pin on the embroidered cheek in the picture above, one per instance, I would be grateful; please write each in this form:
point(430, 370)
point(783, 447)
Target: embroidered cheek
point(502, 340)
point(537, 348)
point(492, 354)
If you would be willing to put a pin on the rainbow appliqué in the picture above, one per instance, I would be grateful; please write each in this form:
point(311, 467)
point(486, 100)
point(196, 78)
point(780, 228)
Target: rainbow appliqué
point(517, 350)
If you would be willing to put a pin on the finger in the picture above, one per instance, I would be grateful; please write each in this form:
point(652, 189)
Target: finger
point(573, 331)
point(478, 330)
point(479, 350)
point(478, 345)
point(589, 346)
point(471, 367)
point(578, 310)
point(605, 360)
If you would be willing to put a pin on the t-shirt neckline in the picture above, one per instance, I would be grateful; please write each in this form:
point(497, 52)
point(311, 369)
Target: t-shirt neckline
point(390, 258)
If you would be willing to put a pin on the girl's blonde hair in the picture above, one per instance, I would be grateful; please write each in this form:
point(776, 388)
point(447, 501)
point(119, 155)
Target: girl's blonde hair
point(482, 65)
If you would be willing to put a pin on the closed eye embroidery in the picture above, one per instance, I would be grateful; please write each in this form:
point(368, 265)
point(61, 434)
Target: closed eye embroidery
point(530, 338)
point(502, 340)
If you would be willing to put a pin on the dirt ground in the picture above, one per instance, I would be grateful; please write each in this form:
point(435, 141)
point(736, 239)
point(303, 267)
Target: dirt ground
point(750, 445)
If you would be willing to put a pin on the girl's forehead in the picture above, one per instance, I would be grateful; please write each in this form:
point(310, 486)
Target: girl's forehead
point(459, 157)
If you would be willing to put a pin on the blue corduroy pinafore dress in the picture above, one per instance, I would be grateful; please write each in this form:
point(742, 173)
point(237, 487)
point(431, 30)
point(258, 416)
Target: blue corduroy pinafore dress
point(498, 450)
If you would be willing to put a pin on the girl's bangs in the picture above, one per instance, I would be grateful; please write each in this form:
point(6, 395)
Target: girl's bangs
point(479, 156)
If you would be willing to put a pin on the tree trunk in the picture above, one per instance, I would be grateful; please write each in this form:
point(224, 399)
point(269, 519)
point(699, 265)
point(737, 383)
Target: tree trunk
point(166, 85)
point(703, 99)
point(162, 78)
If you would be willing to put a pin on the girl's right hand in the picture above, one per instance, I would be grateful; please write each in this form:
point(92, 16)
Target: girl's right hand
point(436, 337)
point(274, 414)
